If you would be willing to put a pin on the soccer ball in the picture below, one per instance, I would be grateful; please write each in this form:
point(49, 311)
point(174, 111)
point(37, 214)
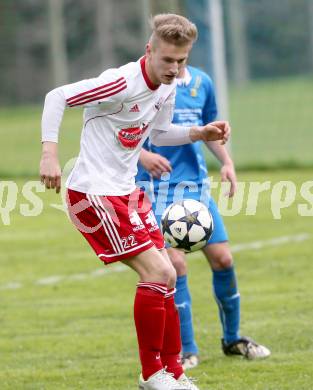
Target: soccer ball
point(187, 225)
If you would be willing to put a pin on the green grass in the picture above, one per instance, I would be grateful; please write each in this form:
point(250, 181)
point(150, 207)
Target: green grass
point(271, 122)
point(21, 139)
point(79, 333)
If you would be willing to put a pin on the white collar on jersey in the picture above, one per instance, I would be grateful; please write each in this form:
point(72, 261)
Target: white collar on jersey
point(184, 81)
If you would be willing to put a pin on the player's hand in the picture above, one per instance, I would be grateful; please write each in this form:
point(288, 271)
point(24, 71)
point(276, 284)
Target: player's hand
point(214, 131)
point(154, 163)
point(228, 174)
point(50, 170)
point(225, 127)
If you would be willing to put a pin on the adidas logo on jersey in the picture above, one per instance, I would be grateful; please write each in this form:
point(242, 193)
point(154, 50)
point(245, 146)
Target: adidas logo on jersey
point(134, 108)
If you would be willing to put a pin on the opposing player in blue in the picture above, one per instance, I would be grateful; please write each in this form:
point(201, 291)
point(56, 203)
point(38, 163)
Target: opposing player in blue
point(170, 173)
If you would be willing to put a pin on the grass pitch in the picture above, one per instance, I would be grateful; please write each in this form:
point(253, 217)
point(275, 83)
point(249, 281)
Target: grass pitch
point(66, 321)
point(271, 125)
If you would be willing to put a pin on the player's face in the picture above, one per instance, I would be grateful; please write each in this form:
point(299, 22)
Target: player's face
point(165, 61)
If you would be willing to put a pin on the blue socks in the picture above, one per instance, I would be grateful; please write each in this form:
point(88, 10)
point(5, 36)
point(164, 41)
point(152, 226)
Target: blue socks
point(228, 300)
point(183, 304)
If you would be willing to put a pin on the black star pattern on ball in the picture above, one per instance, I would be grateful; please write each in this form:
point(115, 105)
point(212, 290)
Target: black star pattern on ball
point(188, 220)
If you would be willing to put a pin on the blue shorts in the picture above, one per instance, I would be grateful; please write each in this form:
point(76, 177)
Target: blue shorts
point(219, 233)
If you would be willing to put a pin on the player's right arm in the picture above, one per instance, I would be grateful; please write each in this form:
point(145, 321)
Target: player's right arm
point(108, 88)
point(50, 170)
point(154, 163)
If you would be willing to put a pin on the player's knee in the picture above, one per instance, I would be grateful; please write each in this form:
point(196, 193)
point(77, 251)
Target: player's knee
point(223, 260)
point(167, 274)
point(178, 260)
point(172, 278)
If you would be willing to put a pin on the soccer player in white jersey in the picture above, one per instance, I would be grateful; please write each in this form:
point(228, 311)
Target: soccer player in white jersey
point(123, 107)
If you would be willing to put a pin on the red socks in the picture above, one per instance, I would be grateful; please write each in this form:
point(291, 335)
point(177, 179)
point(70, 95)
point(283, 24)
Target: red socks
point(149, 315)
point(170, 354)
point(158, 331)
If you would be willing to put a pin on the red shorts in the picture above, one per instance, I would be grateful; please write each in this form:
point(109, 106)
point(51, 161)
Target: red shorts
point(116, 227)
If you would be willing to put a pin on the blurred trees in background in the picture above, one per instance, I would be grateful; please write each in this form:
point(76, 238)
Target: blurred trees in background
point(264, 38)
point(278, 35)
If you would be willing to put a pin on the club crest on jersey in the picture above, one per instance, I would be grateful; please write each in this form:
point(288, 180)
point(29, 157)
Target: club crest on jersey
point(158, 104)
point(130, 136)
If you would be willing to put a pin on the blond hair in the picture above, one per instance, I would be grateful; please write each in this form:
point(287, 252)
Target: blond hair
point(172, 28)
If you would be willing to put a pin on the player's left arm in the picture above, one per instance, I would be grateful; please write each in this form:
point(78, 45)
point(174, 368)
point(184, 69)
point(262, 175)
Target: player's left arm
point(219, 150)
point(228, 172)
point(165, 133)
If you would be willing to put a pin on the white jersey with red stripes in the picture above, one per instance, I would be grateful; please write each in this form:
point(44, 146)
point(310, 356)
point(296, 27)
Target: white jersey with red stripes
point(122, 106)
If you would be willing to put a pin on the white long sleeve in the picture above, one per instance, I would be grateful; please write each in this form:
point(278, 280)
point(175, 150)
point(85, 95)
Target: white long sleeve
point(52, 115)
point(165, 115)
point(108, 89)
point(176, 135)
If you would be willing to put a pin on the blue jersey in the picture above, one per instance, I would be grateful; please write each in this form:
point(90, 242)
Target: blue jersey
point(195, 105)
